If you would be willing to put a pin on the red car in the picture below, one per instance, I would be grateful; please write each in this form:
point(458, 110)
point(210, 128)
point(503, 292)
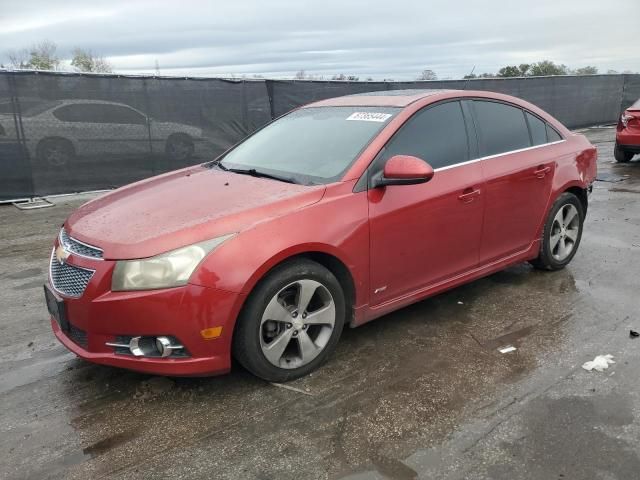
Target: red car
point(628, 134)
point(332, 215)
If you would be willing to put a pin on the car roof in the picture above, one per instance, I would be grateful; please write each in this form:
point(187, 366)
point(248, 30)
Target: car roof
point(381, 98)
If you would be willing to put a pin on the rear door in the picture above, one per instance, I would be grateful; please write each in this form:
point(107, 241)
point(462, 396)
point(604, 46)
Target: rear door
point(518, 169)
point(423, 234)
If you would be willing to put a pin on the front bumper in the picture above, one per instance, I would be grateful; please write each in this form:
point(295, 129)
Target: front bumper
point(101, 316)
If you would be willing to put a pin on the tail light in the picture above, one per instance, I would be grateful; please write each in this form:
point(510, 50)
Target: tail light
point(624, 119)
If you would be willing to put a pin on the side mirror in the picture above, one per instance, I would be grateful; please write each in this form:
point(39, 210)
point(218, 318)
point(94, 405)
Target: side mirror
point(403, 170)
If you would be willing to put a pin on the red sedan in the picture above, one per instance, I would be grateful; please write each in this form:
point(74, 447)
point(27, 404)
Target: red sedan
point(334, 214)
point(628, 134)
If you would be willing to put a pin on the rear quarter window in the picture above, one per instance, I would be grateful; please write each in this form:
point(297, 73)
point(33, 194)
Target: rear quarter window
point(552, 135)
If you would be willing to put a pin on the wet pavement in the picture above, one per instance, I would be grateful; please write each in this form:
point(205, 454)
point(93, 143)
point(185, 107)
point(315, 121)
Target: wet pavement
point(421, 393)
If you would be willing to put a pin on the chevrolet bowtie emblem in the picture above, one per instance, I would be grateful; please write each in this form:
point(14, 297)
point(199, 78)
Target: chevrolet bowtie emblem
point(61, 255)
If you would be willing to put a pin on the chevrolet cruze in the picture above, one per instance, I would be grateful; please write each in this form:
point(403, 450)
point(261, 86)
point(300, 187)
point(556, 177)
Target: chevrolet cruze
point(332, 215)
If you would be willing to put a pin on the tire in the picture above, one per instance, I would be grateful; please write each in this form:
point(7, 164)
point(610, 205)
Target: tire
point(271, 331)
point(562, 233)
point(55, 152)
point(179, 147)
point(620, 155)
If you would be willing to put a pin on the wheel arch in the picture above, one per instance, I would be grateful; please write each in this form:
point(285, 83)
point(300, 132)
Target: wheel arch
point(574, 187)
point(332, 262)
point(582, 195)
point(183, 135)
point(57, 138)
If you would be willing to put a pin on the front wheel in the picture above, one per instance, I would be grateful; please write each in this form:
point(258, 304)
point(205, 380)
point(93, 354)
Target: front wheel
point(620, 155)
point(291, 322)
point(562, 233)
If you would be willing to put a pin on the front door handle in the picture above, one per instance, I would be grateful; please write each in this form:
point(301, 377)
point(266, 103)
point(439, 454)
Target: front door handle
point(541, 171)
point(468, 194)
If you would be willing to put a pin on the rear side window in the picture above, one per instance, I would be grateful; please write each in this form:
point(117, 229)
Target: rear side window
point(436, 134)
point(552, 135)
point(537, 128)
point(502, 127)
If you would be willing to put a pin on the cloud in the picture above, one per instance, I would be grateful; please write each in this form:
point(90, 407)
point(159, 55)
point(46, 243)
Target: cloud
point(380, 39)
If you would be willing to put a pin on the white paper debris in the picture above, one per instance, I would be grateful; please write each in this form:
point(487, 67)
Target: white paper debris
point(600, 363)
point(460, 303)
point(507, 349)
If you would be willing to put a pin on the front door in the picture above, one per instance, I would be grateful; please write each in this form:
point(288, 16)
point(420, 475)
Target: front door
point(423, 234)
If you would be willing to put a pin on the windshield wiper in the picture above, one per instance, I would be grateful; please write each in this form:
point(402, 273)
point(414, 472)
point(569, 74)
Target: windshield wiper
point(256, 173)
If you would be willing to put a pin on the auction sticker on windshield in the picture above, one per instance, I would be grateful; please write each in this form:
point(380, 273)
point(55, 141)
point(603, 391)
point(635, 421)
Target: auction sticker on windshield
point(369, 116)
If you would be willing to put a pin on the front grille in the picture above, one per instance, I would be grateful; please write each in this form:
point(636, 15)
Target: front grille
point(72, 245)
point(68, 279)
point(77, 335)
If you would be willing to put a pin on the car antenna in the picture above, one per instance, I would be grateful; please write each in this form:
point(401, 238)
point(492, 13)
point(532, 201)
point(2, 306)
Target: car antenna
point(468, 78)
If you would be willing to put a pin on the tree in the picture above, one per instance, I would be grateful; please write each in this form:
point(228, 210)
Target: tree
point(42, 56)
point(301, 75)
point(352, 78)
point(588, 70)
point(86, 61)
point(524, 69)
point(341, 77)
point(509, 71)
point(547, 67)
point(427, 75)
point(18, 58)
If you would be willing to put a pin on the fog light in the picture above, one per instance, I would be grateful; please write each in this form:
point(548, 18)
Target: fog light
point(138, 346)
point(163, 344)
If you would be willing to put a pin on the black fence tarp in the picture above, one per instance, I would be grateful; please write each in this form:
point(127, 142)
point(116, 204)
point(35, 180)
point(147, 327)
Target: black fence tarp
point(62, 133)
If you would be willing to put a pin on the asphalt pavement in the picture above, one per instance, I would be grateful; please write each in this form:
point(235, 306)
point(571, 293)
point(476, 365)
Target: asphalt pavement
point(421, 393)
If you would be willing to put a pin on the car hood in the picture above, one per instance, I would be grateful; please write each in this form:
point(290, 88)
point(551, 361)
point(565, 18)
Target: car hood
point(183, 207)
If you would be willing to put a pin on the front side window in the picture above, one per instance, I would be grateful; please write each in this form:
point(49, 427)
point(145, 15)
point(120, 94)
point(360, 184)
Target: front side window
point(311, 145)
point(436, 134)
point(502, 128)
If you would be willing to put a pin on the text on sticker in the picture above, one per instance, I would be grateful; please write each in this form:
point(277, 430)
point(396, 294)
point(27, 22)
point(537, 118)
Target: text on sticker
point(369, 116)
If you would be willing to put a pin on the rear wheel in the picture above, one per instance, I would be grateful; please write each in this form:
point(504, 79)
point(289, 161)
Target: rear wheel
point(291, 322)
point(562, 233)
point(621, 155)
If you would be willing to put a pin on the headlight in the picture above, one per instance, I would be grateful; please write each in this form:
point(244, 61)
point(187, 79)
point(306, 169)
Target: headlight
point(171, 269)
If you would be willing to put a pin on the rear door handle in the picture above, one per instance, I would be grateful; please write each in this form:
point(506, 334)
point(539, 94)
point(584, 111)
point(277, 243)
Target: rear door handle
point(468, 194)
point(541, 171)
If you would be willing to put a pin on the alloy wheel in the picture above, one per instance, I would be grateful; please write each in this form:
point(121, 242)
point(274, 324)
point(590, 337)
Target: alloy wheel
point(564, 232)
point(297, 324)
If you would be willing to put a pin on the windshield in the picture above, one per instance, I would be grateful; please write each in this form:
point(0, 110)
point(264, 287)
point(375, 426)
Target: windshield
point(310, 145)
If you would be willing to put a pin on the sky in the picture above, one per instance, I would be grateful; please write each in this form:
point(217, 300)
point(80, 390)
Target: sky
point(394, 39)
